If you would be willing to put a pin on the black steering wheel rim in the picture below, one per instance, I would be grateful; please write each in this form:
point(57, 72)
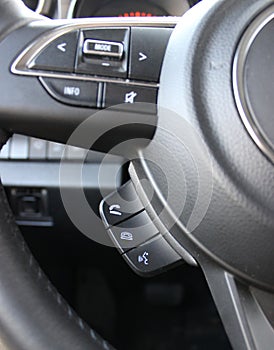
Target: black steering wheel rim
point(30, 304)
point(33, 314)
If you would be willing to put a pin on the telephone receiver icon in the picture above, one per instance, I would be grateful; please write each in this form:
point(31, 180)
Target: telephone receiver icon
point(114, 210)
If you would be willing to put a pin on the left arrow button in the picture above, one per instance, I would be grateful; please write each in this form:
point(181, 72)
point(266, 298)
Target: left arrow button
point(62, 47)
point(58, 55)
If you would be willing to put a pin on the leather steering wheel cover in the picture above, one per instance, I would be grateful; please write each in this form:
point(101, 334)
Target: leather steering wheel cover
point(33, 315)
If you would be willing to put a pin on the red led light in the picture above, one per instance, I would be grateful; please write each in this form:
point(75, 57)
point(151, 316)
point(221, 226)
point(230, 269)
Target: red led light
point(136, 14)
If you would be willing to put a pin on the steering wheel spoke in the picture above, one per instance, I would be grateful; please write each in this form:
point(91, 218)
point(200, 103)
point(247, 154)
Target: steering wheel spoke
point(246, 312)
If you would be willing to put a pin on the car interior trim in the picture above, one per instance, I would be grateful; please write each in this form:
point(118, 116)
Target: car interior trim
point(40, 6)
point(71, 9)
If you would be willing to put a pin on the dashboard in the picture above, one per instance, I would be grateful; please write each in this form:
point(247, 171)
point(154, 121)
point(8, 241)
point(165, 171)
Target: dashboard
point(109, 8)
point(125, 8)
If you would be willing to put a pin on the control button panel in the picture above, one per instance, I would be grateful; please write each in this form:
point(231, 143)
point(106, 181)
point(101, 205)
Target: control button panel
point(99, 67)
point(75, 153)
point(22, 148)
point(147, 50)
point(37, 148)
point(55, 150)
point(152, 257)
point(103, 52)
point(59, 55)
point(73, 92)
point(19, 147)
point(133, 232)
point(121, 205)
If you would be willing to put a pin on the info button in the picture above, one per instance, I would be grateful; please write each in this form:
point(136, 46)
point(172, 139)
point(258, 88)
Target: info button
point(73, 92)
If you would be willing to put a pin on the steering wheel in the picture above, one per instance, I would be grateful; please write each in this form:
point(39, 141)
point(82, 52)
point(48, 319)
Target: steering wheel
point(216, 84)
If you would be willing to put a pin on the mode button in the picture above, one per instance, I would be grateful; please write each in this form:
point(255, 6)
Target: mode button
point(103, 48)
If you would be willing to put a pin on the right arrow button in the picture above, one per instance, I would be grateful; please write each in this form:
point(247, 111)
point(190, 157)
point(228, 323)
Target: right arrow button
point(148, 46)
point(142, 56)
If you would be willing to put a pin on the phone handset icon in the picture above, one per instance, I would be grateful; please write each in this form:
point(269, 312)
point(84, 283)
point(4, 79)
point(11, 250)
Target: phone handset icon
point(114, 210)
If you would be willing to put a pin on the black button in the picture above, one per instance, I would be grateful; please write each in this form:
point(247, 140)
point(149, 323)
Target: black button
point(120, 205)
point(119, 93)
point(29, 205)
point(147, 50)
point(133, 232)
point(59, 55)
point(73, 92)
point(103, 48)
point(152, 257)
point(112, 63)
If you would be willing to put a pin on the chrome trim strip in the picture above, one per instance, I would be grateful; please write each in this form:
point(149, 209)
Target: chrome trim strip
point(247, 115)
point(40, 6)
point(71, 9)
point(22, 62)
